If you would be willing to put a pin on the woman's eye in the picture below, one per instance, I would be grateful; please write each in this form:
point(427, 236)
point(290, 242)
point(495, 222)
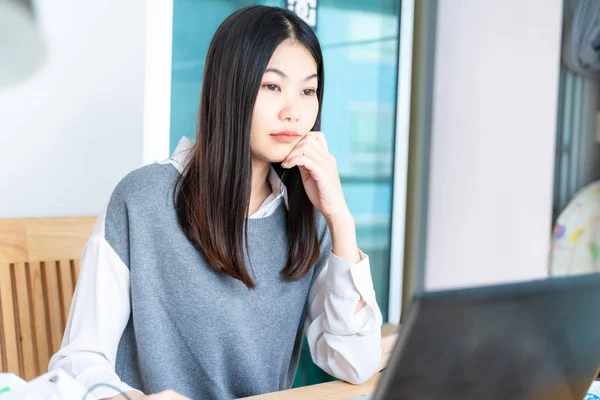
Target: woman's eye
point(272, 87)
point(309, 92)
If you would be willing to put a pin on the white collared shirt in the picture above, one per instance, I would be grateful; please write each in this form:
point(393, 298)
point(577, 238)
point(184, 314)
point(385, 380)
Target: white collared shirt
point(344, 343)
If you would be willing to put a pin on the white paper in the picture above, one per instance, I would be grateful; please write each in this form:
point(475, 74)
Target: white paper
point(593, 392)
point(11, 381)
point(55, 385)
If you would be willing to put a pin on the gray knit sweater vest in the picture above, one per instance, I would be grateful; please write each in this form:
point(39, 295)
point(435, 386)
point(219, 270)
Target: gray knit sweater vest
point(191, 329)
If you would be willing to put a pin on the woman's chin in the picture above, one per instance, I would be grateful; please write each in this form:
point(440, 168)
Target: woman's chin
point(275, 157)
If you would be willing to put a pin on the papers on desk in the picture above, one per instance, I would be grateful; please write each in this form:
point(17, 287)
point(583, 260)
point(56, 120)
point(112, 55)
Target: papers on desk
point(593, 392)
point(9, 382)
point(51, 385)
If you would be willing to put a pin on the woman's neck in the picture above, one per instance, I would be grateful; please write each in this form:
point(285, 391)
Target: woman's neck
point(261, 189)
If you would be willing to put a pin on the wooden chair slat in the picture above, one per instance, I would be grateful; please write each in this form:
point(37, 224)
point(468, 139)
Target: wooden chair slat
point(75, 271)
point(9, 326)
point(65, 280)
point(42, 332)
point(53, 308)
point(25, 323)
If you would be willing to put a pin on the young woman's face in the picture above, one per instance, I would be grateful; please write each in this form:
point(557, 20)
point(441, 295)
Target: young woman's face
point(286, 105)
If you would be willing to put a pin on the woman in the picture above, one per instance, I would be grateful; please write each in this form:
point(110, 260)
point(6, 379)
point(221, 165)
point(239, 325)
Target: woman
point(206, 270)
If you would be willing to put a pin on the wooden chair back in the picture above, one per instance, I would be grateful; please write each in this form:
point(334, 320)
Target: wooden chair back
point(39, 267)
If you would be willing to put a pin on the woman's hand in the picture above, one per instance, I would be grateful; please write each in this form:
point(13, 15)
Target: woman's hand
point(165, 395)
point(319, 175)
point(323, 187)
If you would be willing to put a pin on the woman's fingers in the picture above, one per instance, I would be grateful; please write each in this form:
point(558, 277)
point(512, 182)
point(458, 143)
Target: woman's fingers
point(312, 166)
point(322, 140)
point(313, 145)
point(305, 150)
point(318, 138)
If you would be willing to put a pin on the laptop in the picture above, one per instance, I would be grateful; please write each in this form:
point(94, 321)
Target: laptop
point(524, 341)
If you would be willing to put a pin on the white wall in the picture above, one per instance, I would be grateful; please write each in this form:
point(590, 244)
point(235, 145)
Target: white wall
point(71, 132)
point(493, 133)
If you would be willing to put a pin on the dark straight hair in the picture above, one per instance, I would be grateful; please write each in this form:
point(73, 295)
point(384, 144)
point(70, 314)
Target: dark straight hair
point(212, 195)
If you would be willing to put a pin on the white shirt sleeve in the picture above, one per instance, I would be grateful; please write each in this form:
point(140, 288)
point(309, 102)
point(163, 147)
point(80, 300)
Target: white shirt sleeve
point(343, 343)
point(99, 313)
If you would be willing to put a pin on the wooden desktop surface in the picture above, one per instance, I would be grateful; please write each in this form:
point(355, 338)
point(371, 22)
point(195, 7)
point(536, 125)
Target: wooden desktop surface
point(337, 390)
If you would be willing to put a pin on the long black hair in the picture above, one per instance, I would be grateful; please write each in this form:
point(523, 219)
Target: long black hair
point(212, 195)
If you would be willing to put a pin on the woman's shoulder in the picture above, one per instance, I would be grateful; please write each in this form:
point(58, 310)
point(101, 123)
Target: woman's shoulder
point(146, 179)
point(147, 182)
point(138, 198)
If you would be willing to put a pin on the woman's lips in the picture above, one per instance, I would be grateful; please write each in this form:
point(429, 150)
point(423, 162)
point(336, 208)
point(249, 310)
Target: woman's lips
point(285, 137)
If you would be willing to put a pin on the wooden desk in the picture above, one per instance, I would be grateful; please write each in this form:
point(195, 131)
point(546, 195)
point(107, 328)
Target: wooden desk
point(339, 390)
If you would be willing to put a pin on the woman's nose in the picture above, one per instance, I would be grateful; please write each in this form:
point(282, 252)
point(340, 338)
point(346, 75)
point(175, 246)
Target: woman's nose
point(290, 111)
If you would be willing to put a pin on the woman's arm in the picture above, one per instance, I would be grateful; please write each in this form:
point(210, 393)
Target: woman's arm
point(343, 237)
point(344, 321)
point(343, 342)
point(133, 395)
point(99, 312)
point(166, 395)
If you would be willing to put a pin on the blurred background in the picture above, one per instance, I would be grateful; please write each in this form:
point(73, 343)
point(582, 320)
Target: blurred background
point(463, 129)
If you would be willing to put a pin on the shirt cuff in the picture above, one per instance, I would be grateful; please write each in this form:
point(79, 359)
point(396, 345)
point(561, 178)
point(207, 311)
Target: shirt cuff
point(349, 280)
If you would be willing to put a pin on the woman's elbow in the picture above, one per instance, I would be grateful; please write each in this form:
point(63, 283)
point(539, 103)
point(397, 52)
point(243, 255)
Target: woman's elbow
point(365, 371)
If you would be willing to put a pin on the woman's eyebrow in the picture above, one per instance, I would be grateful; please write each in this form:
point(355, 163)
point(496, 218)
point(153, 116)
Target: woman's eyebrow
point(283, 75)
